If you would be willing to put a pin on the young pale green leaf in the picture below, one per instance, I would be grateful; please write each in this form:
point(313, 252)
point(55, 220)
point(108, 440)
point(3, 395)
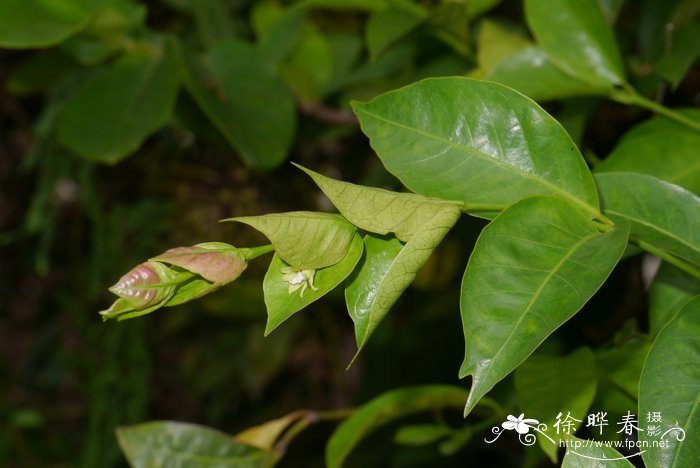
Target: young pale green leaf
point(168, 443)
point(384, 409)
point(304, 239)
point(36, 23)
point(671, 289)
point(477, 142)
point(245, 100)
point(381, 211)
point(531, 270)
point(623, 365)
point(663, 215)
point(288, 290)
point(113, 113)
point(575, 35)
point(670, 386)
point(639, 150)
point(548, 385)
point(582, 453)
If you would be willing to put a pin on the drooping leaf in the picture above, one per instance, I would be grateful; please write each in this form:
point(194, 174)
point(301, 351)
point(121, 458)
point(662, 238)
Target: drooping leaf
point(245, 100)
point(384, 409)
point(168, 443)
point(37, 23)
point(663, 215)
point(623, 365)
point(476, 142)
point(575, 35)
point(305, 239)
point(113, 113)
point(670, 385)
point(288, 290)
point(684, 49)
point(583, 454)
point(641, 148)
point(548, 385)
point(531, 270)
point(671, 289)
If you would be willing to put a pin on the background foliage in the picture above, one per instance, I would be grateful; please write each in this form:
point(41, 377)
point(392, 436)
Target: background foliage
point(129, 127)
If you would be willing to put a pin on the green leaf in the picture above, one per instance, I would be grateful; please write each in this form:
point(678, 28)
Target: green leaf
point(40, 23)
point(547, 385)
point(308, 69)
point(476, 142)
point(670, 385)
point(582, 453)
point(341, 5)
point(386, 26)
point(421, 434)
point(575, 35)
point(384, 409)
point(245, 100)
point(39, 72)
point(531, 270)
point(183, 445)
point(671, 289)
point(266, 435)
point(662, 148)
point(623, 365)
point(662, 215)
point(112, 114)
point(478, 7)
point(684, 51)
point(304, 239)
point(283, 299)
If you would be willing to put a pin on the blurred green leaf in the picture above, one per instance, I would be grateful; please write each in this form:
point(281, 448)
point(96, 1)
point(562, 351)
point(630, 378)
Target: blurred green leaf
point(671, 289)
point(307, 70)
point(266, 435)
point(288, 290)
point(670, 385)
point(362, 5)
point(684, 51)
point(476, 142)
point(513, 289)
point(386, 26)
point(576, 37)
point(40, 23)
point(112, 114)
point(421, 434)
point(384, 409)
point(623, 365)
point(478, 7)
point(38, 72)
point(245, 100)
point(449, 22)
point(548, 385)
point(587, 455)
point(165, 443)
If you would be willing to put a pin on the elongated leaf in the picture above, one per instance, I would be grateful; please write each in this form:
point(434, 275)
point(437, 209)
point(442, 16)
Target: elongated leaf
point(245, 100)
point(112, 114)
point(305, 239)
point(167, 443)
point(549, 385)
point(287, 293)
point(531, 270)
point(385, 409)
point(582, 453)
point(661, 148)
point(670, 385)
point(476, 142)
point(671, 289)
point(36, 23)
point(575, 35)
point(661, 214)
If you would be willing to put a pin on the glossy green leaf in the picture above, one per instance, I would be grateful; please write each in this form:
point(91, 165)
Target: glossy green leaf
point(582, 453)
point(286, 293)
point(663, 215)
point(387, 26)
point(671, 289)
point(112, 114)
point(40, 23)
point(384, 409)
point(245, 100)
point(576, 37)
point(670, 385)
point(684, 50)
point(623, 365)
point(476, 142)
point(548, 385)
point(662, 148)
point(421, 434)
point(305, 239)
point(531, 270)
point(183, 445)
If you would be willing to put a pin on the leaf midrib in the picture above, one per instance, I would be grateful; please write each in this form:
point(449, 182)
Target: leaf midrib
point(484, 157)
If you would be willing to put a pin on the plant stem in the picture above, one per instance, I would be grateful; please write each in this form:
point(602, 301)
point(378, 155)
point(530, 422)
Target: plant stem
point(670, 258)
point(630, 96)
point(255, 252)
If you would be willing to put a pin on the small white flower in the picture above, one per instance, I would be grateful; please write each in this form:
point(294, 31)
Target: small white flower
point(298, 279)
point(522, 426)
